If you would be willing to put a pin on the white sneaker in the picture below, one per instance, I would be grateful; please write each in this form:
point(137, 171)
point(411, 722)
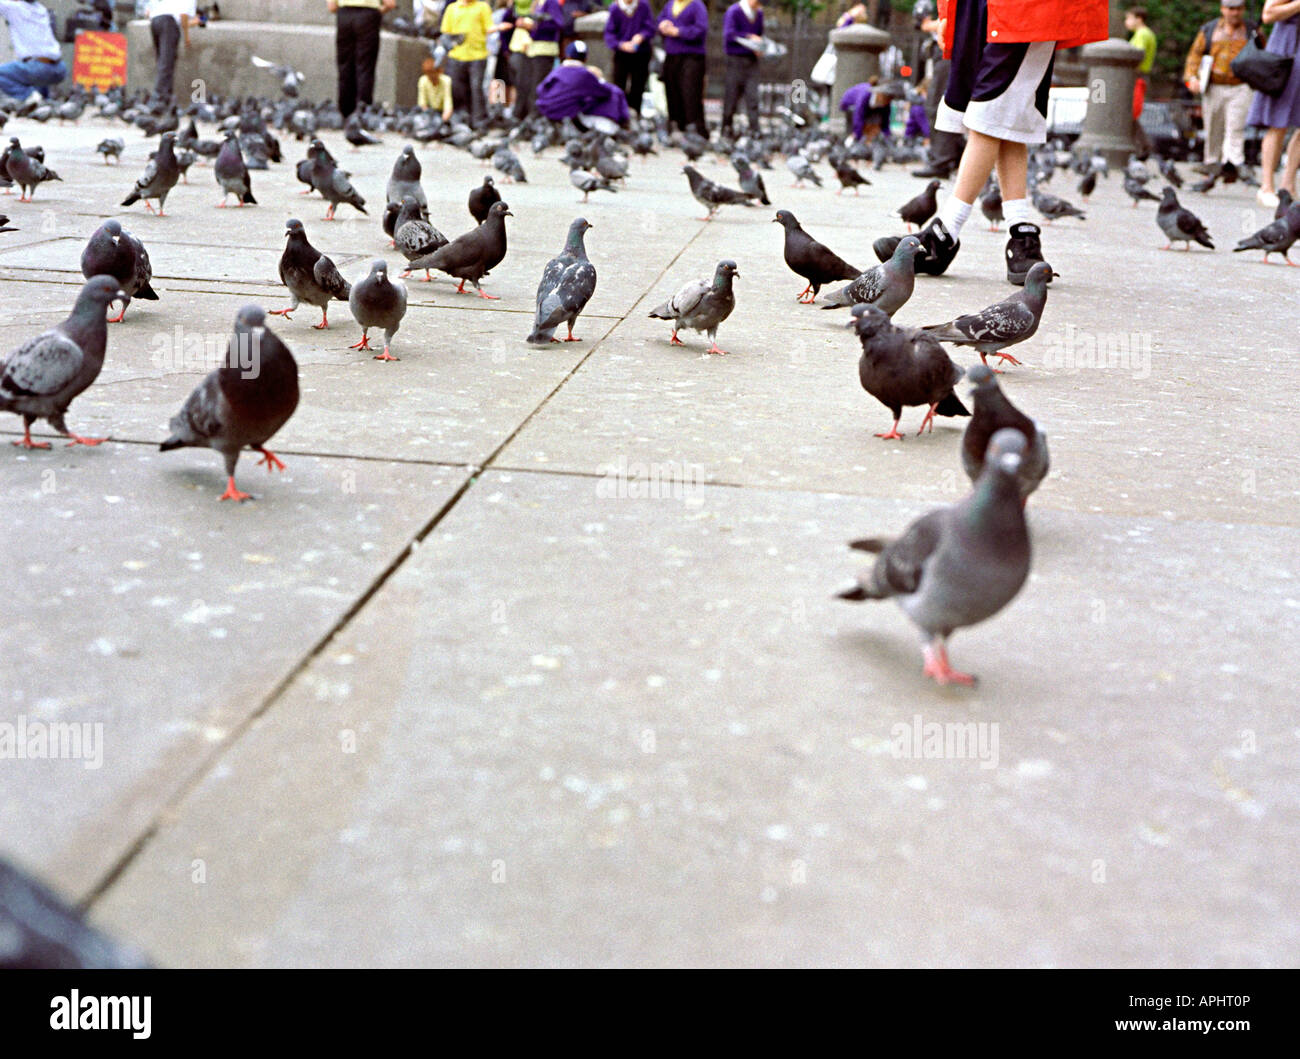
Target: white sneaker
point(1266, 198)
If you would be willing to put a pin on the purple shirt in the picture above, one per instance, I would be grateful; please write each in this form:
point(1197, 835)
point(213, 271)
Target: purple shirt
point(548, 21)
point(737, 24)
point(622, 27)
point(568, 91)
point(693, 24)
point(857, 99)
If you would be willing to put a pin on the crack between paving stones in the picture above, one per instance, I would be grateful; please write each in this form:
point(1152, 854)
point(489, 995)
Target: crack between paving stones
point(209, 761)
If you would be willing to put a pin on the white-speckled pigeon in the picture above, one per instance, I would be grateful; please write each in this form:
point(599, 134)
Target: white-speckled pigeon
point(1003, 324)
point(568, 282)
point(887, 286)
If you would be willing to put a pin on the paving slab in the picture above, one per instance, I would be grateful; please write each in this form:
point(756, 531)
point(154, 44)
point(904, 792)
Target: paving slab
point(666, 743)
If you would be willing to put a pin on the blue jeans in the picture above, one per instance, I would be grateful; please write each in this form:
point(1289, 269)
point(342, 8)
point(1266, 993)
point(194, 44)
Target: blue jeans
point(17, 79)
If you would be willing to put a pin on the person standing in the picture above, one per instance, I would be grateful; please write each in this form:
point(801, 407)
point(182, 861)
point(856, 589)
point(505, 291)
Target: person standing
point(356, 48)
point(628, 33)
point(1135, 21)
point(467, 62)
point(169, 22)
point(503, 83)
point(684, 26)
point(38, 60)
point(1280, 112)
point(520, 39)
point(544, 24)
point(1225, 98)
point(742, 22)
point(945, 147)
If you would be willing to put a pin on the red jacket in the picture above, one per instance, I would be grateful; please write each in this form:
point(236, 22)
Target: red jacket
point(1068, 22)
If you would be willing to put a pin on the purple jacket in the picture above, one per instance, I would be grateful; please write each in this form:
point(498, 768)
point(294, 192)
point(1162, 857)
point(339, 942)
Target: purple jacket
point(737, 24)
point(622, 27)
point(568, 91)
point(548, 18)
point(857, 100)
point(693, 23)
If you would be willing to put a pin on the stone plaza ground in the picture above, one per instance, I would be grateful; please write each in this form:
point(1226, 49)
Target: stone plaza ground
point(531, 656)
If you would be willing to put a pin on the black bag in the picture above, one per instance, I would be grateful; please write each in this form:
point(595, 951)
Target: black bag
point(1264, 71)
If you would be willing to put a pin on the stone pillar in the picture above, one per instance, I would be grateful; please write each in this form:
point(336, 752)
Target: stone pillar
point(590, 29)
point(857, 59)
point(1112, 74)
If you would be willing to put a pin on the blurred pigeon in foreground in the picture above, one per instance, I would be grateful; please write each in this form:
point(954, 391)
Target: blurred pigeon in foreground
point(701, 305)
point(310, 276)
point(40, 379)
point(993, 411)
point(244, 402)
point(1004, 323)
point(958, 565)
point(887, 286)
point(113, 251)
point(376, 301)
point(568, 282)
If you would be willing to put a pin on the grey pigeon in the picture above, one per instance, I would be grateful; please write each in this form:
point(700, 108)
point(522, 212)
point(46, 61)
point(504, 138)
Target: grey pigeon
point(920, 209)
point(481, 199)
point(243, 403)
point(113, 251)
point(750, 181)
point(711, 195)
point(1276, 237)
point(472, 256)
point(568, 282)
point(992, 412)
point(405, 179)
point(848, 176)
point(331, 181)
point(378, 302)
point(1052, 207)
point(232, 173)
point(1180, 224)
point(1004, 323)
point(310, 276)
point(291, 80)
point(160, 176)
point(587, 182)
point(413, 236)
point(356, 135)
point(1088, 184)
point(111, 148)
point(809, 259)
point(991, 204)
point(40, 379)
point(1135, 188)
point(701, 305)
point(507, 162)
point(902, 367)
point(26, 170)
point(887, 286)
point(958, 565)
point(802, 169)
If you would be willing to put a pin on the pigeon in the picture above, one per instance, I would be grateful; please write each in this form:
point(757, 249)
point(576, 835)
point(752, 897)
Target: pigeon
point(405, 179)
point(4, 224)
point(243, 403)
point(40, 379)
point(802, 168)
point(232, 174)
point(113, 251)
point(310, 276)
point(473, 255)
point(413, 236)
point(991, 205)
point(588, 182)
point(848, 177)
point(887, 286)
point(958, 565)
point(810, 259)
point(568, 282)
point(918, 210)
point(27, 170)
point(711, 195)
point(1088, 184)
point(1180, 224)
point(184, 160)
point(481, 199)
point(1169, 171)
point(378, 302)
point(331, 181)
point(291, 80)
point(1136, 189)
point(507, 162)
point(1053, 208)
point(356, 135)
point(1284, 200)
point(901, 367)
point(160, 176)
point(1276, 237)
point(750, 181)
point(701, 305)
point(111, 148)
point(994, 412)
point(1004, 323)
point(41, 931)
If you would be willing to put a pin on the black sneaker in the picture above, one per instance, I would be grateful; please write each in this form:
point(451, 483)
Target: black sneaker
point(937, 170)
point(1228, 174)
point(939, 249)
point(1024, 251)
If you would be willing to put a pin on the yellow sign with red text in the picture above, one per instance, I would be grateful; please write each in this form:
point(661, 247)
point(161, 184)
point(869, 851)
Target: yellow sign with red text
point(99, 59)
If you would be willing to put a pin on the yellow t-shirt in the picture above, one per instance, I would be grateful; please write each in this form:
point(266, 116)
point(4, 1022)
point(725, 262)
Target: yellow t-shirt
point(473, 19)
point(434, 95)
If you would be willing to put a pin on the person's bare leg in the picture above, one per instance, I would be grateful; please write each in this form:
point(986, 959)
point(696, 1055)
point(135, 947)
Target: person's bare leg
point(1292, 163)
point(1270, 151)
point(1013, 169)
point(977, 162)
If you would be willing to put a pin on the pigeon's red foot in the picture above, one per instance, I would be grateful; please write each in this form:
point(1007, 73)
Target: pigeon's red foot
point(363, 344)
point(928, 421)
point(892, 434)
point(28, 443)
point(938, 669)
point(146, 206)
point(675, 341)
point(77, 439)
point(385, 355)
point(286, 313)
point(118, 318)
point(221, 205)
point(573, 338)
point(232, 493)
point(324, 324)
point(427, 277)
point(270, 461)
point(714, 349)
point(490, 297)
point(1007, 358)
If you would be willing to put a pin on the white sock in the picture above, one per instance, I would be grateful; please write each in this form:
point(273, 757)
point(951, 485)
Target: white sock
point(954, 213)
point(1016, 211)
